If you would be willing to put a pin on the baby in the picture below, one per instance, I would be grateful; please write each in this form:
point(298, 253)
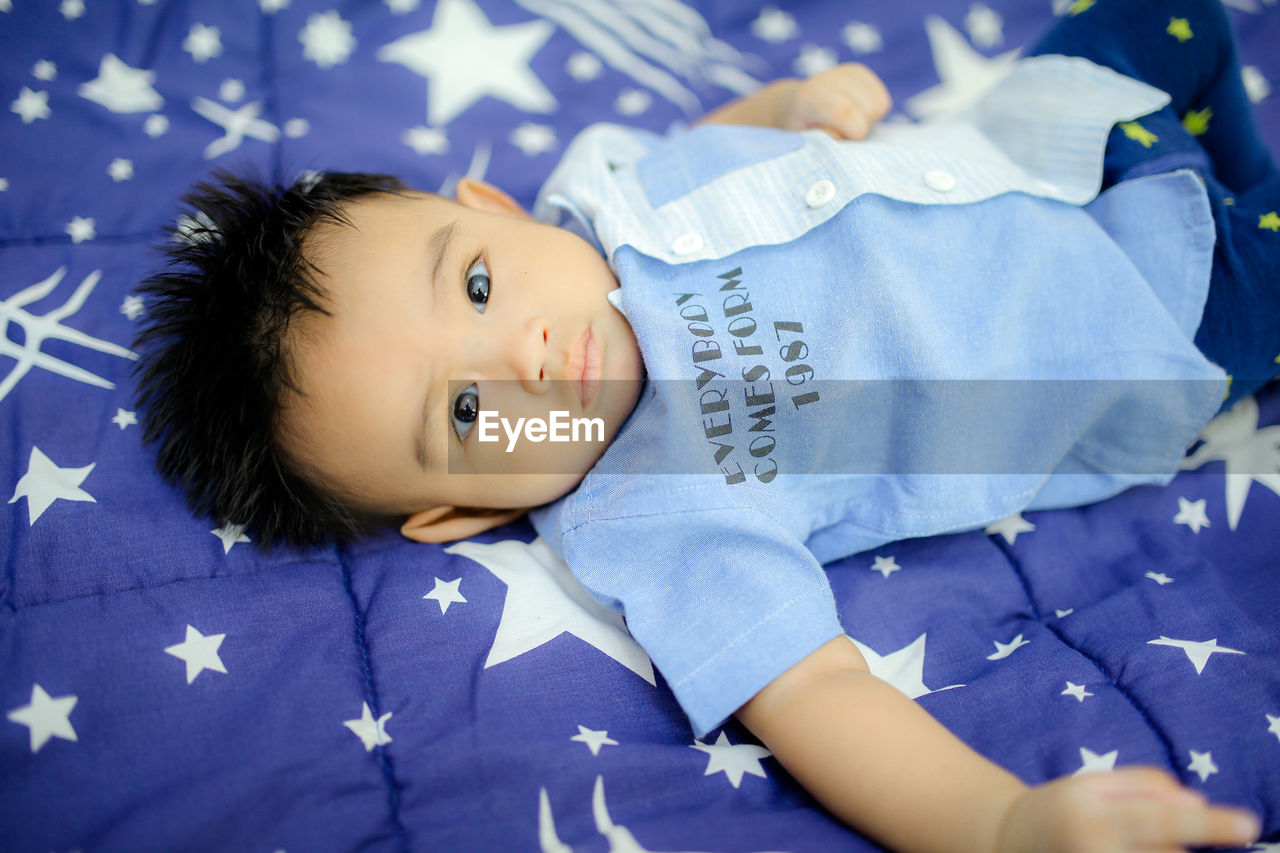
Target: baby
point(345, 353)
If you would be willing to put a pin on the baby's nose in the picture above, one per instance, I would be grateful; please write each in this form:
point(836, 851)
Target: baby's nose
point(527, 353)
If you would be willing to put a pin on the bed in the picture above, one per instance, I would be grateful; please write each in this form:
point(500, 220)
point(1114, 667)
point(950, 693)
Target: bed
point(167, 686)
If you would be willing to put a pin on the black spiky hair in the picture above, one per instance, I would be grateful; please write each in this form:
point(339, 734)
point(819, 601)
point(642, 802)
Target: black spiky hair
point(214, 356)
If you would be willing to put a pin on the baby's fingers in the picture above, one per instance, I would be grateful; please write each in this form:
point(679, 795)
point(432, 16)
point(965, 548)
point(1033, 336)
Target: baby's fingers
point(836, 113)
point(1178, 822)
point(844, 101)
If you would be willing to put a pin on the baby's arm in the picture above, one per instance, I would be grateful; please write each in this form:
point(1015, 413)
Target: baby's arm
point(844, 101)
point(879, 762)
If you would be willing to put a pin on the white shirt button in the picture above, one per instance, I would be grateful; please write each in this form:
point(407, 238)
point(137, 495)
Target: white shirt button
point(936, 179)
point(687, 244)
point(820, 193)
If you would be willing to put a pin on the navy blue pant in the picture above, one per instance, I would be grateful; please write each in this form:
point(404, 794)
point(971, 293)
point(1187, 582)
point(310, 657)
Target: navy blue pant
point(1186, 48)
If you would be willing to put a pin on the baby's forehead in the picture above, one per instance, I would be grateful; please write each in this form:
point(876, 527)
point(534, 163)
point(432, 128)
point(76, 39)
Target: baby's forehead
point(340, 244)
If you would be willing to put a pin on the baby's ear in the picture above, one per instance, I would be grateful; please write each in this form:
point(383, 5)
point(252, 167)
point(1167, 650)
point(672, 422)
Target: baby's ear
point(480, 195)
point(447, 523)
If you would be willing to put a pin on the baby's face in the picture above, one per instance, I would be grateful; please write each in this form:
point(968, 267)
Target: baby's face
point(441, 309)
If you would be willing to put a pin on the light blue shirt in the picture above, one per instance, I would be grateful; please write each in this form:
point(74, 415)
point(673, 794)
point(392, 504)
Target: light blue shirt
point(851, 343)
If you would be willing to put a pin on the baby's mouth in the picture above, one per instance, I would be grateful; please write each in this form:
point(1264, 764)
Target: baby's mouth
point(585, 367)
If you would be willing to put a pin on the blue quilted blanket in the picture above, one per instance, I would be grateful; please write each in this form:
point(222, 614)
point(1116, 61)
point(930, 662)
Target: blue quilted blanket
point(166, 686)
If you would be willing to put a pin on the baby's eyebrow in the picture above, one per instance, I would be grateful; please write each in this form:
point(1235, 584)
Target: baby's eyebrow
point(440, 248)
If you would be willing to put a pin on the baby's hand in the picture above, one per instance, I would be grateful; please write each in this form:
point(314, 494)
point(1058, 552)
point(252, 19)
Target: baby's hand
point(1137, 808)
point(844, 101)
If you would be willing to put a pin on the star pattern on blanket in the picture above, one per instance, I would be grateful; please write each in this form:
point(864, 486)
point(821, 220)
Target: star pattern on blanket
point(1251, 454)
point(445, 593)
point(465, 58)
point(45, 483)
point(199, 652)
point(733, 760)
point(372, 732)
point(964, 74)
point(544, 601)
point(1198, 651)
point(122, 89)
point(46, 717)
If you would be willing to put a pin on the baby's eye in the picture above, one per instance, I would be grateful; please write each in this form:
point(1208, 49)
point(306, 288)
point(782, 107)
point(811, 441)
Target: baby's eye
point(478, 285)
point(466, 408)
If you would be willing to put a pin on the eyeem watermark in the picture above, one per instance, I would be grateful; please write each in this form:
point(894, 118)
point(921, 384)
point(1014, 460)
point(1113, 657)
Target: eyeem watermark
point(559, 428)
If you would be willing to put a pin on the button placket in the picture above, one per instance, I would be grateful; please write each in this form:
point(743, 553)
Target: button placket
point(687, 244)
point(820, 193)
point(939, 181)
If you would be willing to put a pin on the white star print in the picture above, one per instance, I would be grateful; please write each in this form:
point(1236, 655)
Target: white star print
point(632, 102)
point(533, 139)
point(1003, 650)
point(465, 58)
point(1063, 613)
point(71, 9)
point(1159, 577)
point(231, 535)
point(124, 418)
point(44, 70)
point(121, 169)
point(544, 601)
point(985, 26)
point(1198, 652)
point(402, 7)
point(1249, 453)
point(1076, 690)
point(593, 739)
point(814, 59)
point(296, 127)
point(4, 184)
point(1273, 725)
point(903, 669)
point(49, 325)
point(31, 105)
point(1010, 527)
point(371, 733)
point(774, 25)
point(619, 837)
point(132, 306)
point(862, 37)
point(733, 760)
point(237, 124)
point(199, 653)
point(45, 483)
point(270, 7)
point(1192, 514)
point(203, 42)
point(886, 566)
point(155, 125)
point(1091, 762)
point(1202, 764)
point(46, 717)
point(231, 90)
point(326, 39)
point(446, 593)
point(583, 66)
point(81, 228)
point(964, 74)
point(426, 140)
point(122, 89)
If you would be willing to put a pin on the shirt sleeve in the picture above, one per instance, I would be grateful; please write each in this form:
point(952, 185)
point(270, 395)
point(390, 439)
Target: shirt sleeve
point(723, 600)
